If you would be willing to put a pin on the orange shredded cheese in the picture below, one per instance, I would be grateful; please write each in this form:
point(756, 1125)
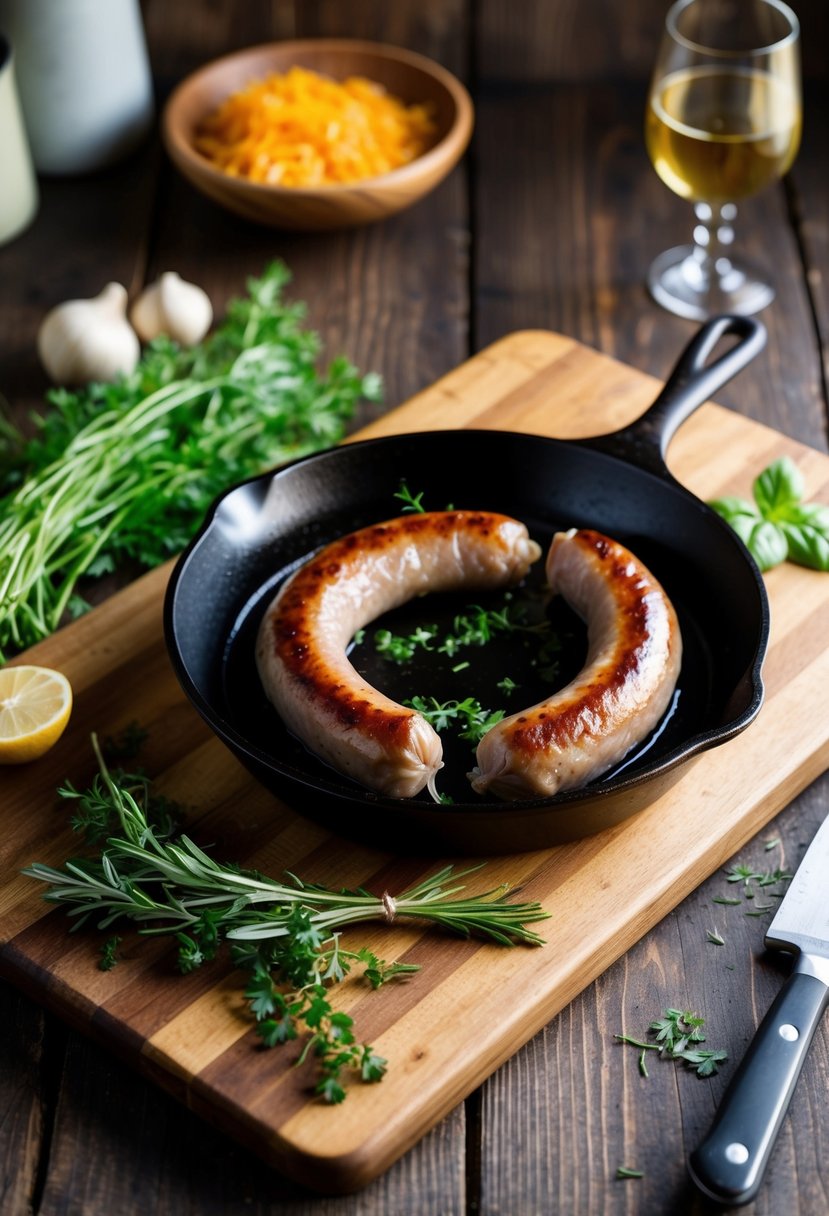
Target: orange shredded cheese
point(303, 129)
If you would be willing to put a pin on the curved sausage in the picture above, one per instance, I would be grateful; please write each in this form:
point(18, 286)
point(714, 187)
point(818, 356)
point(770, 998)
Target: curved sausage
point(624, 688)
point(302, 640)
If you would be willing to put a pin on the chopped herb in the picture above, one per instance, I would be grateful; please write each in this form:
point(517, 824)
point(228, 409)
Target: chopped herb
point(411, 502)
point(771, 844)
point(722, 899)
point(506, 686)
point(715, 938)
point(625, 1171)
point(460, 667)
point(475, 626)
point(677, 1034)
point(469, 714)
point(108, 957)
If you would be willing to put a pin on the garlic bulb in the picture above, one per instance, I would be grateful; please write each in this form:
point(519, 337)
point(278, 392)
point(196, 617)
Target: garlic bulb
point(173, 307)
point(82, 340)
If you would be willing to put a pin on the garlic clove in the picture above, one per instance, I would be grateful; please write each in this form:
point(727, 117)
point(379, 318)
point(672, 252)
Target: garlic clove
point(83, 340)
point(173, 307)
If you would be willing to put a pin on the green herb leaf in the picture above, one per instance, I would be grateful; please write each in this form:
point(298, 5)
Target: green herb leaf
point(677, 1034)
point(124, 472)
point(109, 958)
point(411, 502)
point(807, 544)
point(625, 1171)
point(778, 489)
point(286, 934)
point(780, 526)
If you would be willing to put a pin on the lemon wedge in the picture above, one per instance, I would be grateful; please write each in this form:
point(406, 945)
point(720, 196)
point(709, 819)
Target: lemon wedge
point(35, 704)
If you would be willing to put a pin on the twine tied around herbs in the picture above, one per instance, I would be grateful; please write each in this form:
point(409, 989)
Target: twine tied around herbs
point(389, 907)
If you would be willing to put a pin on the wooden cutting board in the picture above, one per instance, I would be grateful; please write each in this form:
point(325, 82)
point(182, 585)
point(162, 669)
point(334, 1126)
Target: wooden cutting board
point(472, 1005)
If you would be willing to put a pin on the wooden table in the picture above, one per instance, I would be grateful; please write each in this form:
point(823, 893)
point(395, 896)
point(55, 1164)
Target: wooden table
point(549, 223)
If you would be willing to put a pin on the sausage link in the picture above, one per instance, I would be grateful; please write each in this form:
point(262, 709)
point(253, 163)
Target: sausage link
point(624, 688)
point(302, 640)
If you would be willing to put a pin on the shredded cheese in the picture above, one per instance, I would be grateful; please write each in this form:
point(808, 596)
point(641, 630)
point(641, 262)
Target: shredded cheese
point(303, 129)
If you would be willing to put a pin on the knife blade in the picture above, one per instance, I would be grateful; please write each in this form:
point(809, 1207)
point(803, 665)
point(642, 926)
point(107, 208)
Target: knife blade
point(730, 1162)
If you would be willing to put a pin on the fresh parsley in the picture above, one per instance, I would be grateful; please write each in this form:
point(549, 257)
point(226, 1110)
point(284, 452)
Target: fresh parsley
point(125, 471)
point(676, 1036)
point(475, 626)
point(286, 934)
point(469, 714)
point(778, 524)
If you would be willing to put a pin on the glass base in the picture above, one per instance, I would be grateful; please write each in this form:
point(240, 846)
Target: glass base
point(687, 283)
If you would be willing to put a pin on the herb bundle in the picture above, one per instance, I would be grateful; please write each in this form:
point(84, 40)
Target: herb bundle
point(125, 471)
point(286, 934)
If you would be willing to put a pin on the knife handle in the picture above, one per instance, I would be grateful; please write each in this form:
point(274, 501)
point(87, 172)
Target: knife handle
point(728, 1166)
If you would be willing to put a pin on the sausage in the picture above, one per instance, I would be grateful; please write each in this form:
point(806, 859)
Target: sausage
point(302, 640)
point(627, 682)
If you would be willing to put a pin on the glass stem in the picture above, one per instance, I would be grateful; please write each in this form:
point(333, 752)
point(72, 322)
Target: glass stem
point(713, 238)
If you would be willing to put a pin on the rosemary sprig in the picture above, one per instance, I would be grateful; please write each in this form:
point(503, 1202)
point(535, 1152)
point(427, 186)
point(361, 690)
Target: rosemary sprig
point(285, 933)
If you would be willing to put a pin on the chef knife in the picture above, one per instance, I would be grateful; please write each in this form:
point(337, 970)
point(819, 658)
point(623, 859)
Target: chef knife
point(728, 1166)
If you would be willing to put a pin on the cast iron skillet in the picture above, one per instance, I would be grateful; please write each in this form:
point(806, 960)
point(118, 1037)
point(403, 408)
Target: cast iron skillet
point(259, 532)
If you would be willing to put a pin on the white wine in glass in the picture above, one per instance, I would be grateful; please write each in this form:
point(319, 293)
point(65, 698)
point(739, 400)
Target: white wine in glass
point(723, 122)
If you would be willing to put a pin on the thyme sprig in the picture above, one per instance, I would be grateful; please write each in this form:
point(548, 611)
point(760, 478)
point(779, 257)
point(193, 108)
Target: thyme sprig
point(285, 933)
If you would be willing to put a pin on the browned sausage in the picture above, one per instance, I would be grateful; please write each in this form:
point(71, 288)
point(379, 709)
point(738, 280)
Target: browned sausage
point(624, 688)
point(302, 640)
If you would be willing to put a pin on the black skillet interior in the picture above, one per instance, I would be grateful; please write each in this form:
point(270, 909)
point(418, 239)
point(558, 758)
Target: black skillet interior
point(260, 531)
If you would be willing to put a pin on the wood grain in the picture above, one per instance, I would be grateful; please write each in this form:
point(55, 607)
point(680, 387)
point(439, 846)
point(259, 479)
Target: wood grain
point(115, 660)
point(396, 298)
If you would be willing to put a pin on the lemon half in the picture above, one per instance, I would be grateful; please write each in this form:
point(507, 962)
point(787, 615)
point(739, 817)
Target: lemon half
point(35, 704)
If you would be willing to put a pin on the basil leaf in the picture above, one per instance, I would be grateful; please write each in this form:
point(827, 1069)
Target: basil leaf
point(733, 508)
point(778, 489)
point(811, 515)
point(765, 541)
point(807, 545)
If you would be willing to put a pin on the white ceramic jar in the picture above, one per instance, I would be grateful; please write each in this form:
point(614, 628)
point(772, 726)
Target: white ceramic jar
point(18, 187)
point(84, 79)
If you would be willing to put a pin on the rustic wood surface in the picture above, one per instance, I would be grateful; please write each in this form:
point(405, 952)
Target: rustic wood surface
point(602, 894)
point(549, 223)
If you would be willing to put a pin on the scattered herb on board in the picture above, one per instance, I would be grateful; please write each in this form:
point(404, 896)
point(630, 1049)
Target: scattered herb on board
point(125, 471)
point(626, 1171)
point(285, 934)
point(676, 1037)
point(778, 524)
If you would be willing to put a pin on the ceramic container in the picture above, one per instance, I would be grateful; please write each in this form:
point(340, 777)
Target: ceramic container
point(411, 77)
point(84, 79)
point(18, 186)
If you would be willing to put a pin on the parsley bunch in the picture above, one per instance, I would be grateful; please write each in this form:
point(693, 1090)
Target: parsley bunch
point(285, 933)
point(778, 524)
point(125, 471)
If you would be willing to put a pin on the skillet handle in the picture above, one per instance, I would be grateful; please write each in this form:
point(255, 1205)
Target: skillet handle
point(691, 383)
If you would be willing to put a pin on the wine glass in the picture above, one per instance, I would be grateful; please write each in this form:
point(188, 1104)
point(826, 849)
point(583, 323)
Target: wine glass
point(723, 122)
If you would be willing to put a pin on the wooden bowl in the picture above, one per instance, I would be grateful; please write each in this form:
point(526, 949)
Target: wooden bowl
point(411, 77)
